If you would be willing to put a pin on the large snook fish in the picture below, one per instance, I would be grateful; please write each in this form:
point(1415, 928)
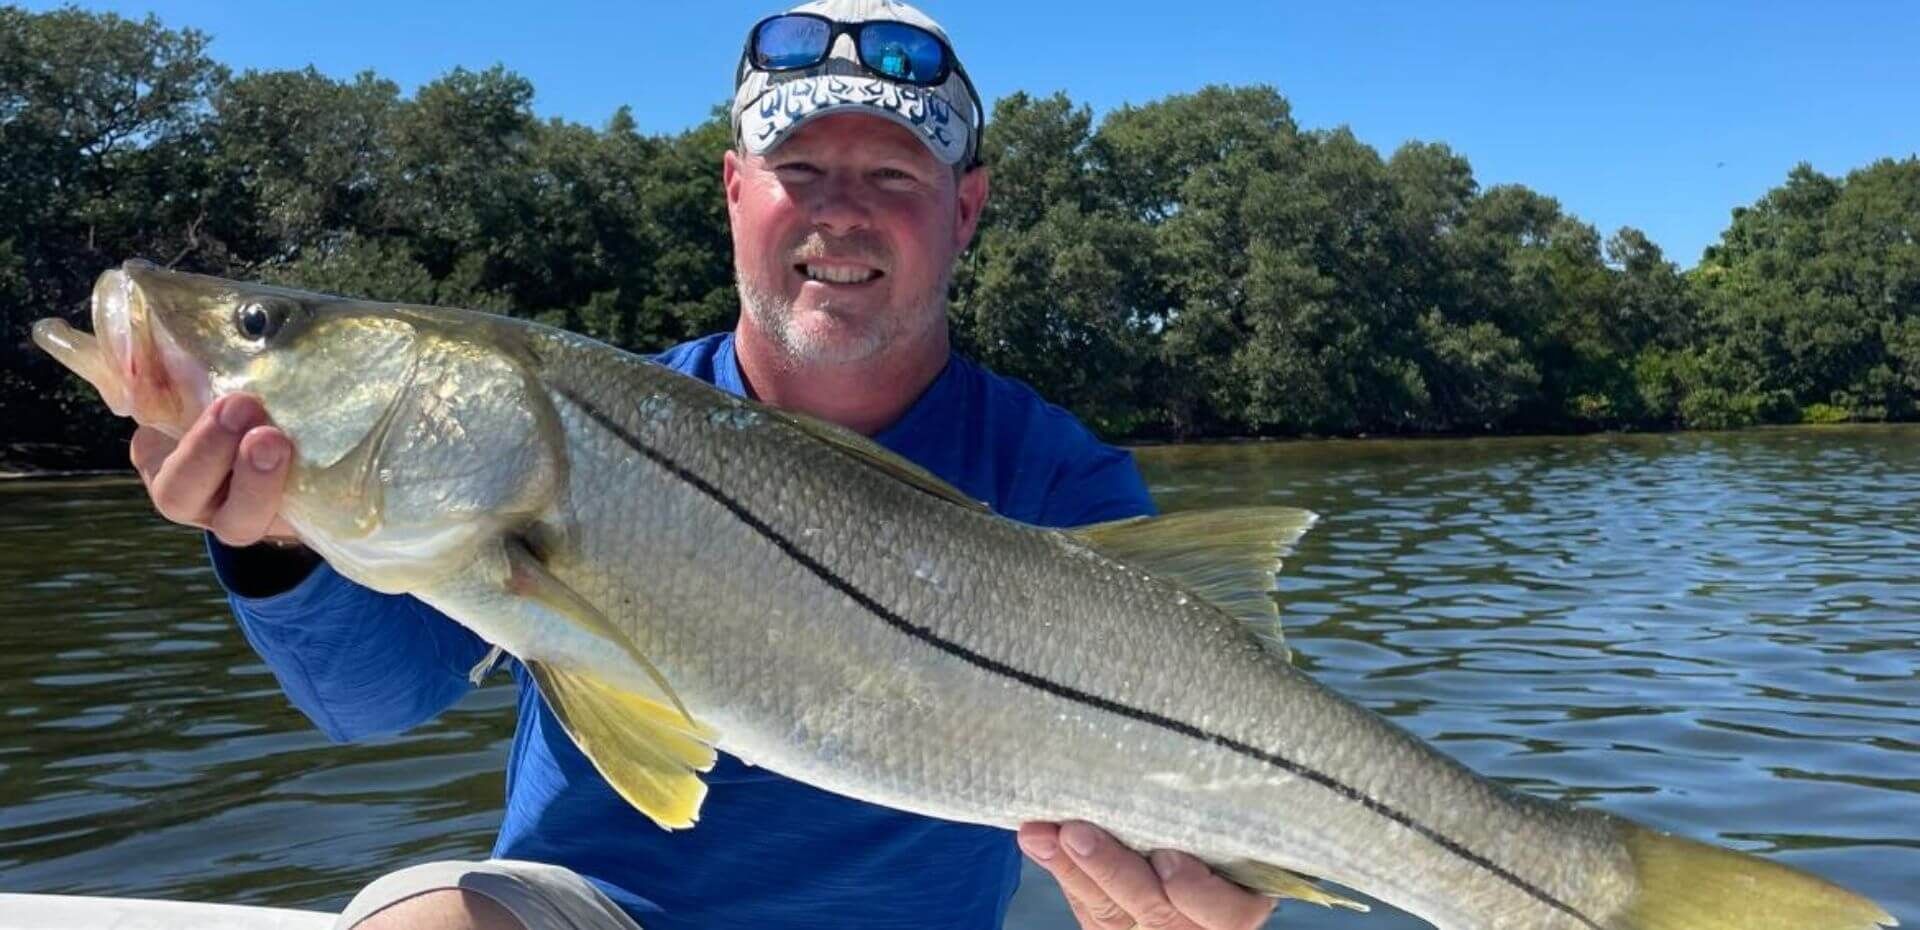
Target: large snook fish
point(682, 570)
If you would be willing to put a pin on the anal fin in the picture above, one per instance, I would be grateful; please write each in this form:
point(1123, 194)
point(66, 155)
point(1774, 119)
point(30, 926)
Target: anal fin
point(1280, 883)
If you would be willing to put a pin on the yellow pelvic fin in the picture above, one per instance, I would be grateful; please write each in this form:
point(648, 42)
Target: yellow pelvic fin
point(1226, 557)
point(1687, 885)
point(528, 577)
point(1280, 883)
point(650, 753)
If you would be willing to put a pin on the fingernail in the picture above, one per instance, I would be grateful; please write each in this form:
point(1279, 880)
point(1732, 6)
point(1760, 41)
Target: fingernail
point(1079, 839)
point(236, 415)
point(1165, 863)
point(267, 456)
point(1043, 848)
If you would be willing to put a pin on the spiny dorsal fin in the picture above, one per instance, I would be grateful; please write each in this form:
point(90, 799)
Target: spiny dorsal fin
point(1280, 883)
point(649, 752)
point(876, 456)
point(1226, 557)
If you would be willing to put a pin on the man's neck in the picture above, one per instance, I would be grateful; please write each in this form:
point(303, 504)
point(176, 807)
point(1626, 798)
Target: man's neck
point(865, 396)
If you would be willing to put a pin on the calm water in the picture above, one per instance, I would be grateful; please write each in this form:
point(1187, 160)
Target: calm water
point(1715, 634)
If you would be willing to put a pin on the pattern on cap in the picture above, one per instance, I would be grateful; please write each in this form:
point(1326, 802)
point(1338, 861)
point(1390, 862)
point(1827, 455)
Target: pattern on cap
point(788, 102)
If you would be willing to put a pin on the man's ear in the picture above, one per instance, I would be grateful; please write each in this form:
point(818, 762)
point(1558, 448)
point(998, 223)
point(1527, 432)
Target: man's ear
point(730, 179)
point(974, 186)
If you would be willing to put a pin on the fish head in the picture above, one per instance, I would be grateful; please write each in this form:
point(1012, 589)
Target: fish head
point(166, 344)
point(131, 358)
point(416, 431)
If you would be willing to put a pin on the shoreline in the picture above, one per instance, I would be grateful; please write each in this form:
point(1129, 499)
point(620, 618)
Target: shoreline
point(12, 469)
point(1149, 443)
point(66, 473)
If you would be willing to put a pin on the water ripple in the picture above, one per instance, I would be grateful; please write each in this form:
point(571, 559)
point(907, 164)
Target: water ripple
point(1717, 634)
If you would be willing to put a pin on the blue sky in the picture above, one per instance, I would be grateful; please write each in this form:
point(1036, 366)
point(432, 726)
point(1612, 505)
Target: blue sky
point(1659, 115)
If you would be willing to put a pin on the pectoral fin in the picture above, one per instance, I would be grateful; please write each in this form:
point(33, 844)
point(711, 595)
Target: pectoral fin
point(1280, 883)
point(650, 753)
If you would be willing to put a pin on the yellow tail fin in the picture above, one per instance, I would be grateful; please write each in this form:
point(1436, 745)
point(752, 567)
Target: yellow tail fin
point(1685, 885)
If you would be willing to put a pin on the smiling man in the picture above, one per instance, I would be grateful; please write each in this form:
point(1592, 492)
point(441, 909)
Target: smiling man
point(853, 187)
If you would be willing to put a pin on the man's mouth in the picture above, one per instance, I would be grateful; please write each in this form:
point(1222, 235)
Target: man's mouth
point(837, 274)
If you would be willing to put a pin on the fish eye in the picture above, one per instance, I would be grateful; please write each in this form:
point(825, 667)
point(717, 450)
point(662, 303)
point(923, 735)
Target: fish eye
point(257, 321)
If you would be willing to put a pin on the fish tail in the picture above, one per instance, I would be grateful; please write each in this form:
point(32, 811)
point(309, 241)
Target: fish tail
point(1686, 885)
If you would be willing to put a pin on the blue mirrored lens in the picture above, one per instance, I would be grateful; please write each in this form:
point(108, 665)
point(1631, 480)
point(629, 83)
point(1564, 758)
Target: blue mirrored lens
point(791, 42)
point(904, 52)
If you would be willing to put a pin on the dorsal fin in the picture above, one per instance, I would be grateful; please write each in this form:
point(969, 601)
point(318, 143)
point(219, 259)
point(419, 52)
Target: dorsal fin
point(876, 456)
point(1226, 557)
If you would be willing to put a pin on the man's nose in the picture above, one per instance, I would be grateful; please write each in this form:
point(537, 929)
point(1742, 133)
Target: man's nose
point(837, 206)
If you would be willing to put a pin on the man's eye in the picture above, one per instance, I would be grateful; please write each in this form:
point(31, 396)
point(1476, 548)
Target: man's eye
point(796, 169)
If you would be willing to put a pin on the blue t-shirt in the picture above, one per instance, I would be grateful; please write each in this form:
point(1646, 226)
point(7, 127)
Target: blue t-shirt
point(768, 852)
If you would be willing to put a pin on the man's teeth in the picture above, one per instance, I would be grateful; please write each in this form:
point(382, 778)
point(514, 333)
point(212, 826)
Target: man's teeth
point(834, 275)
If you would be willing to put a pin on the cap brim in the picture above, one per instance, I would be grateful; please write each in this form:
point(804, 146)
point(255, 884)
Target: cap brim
point(778, 111)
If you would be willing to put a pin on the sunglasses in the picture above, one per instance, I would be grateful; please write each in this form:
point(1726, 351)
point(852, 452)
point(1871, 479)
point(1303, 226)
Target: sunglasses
point(896, 51)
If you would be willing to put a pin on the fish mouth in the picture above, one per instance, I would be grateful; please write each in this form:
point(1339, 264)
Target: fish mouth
point(135, 364)
point(119, 316)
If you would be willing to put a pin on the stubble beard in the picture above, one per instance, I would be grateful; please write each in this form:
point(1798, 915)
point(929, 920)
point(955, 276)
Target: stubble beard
point(827, 337)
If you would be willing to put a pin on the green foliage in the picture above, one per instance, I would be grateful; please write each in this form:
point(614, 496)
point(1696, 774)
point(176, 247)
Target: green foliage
point(1199, 265)
point(1814, 291)
point(102, 122)
point(1824, 413)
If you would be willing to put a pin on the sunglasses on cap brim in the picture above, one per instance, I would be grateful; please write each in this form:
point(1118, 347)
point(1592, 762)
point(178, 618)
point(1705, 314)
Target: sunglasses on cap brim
point(896, 51)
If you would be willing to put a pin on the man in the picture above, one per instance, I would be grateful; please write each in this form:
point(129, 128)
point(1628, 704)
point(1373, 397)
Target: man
point(853, 187)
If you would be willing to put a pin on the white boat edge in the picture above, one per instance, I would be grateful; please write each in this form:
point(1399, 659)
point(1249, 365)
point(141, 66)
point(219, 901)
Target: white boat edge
point(77, 912)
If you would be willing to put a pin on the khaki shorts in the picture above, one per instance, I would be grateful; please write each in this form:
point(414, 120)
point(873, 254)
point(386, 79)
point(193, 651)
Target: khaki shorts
point(543, 897)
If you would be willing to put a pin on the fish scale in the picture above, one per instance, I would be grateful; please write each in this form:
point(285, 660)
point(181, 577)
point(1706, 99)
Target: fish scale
point(1112, 626)
point(682, 570)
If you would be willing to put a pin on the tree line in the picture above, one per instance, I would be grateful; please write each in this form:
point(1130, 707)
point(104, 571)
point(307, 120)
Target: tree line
point(1197, 266)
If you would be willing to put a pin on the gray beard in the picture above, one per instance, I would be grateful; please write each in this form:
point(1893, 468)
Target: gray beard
point(840, 344)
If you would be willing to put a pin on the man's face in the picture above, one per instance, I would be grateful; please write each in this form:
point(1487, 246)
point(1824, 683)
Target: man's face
point(844, 237)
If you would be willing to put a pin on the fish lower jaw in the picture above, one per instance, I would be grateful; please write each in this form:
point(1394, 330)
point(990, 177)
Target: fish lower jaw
point(181, 386)
point(83, 354)
point(139, 370)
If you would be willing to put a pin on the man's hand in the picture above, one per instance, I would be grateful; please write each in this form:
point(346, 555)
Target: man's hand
point(226, 474)
point(1110, 887)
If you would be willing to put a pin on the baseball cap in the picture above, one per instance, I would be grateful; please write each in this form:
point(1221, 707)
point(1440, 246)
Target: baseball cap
point(769, 106)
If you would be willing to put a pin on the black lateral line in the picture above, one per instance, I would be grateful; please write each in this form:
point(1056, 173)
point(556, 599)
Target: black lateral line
point(988, 663)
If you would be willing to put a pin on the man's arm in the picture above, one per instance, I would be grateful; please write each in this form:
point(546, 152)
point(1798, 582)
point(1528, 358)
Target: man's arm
point(356, 662)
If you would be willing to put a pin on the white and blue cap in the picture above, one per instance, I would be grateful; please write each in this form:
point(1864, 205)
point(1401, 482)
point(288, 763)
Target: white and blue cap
point(768, 106)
